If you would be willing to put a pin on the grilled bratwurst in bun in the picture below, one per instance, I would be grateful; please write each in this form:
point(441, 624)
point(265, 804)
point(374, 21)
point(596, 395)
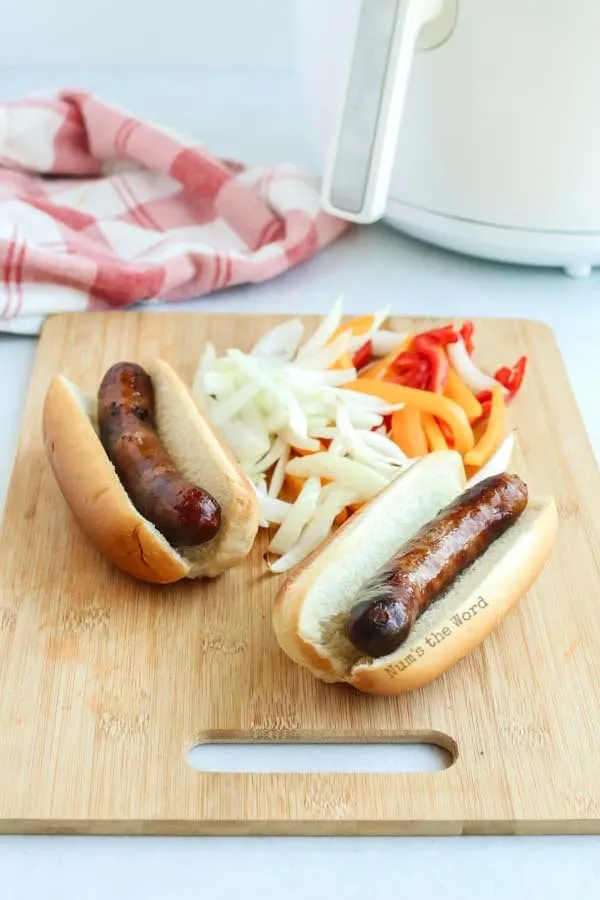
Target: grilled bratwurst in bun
point(147, 477)
point(416, 579)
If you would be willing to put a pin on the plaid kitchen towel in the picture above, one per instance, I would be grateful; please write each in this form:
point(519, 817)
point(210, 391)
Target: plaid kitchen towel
point(100, 210)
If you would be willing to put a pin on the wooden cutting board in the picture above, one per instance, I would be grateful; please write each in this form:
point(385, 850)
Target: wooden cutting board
point(107, 683)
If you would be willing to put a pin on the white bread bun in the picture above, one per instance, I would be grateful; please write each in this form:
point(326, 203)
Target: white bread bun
point(101, 506)
point(313, 602)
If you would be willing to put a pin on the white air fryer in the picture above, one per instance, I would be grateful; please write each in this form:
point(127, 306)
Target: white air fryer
point(472, 124)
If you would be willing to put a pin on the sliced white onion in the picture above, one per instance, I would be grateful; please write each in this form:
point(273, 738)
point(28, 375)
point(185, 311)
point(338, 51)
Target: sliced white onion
point(209, 357)
point(275, 422)
point(224, 410)
point(310, 444)
point(272, 509)
point(259, 482)
point(246, 445)
point(327, 355)
point(368, 402)
point(387, 448)
point(348, 472)
point(284, 396)
point(316, 423)
point(218, 384)
point(260, 487)
point(314, 533)
point(334, 488)
point(288, 415)
point(379, 318)
point(468, 371)
point(254, 368)
point(336, 447)
point(372, 460)
point(346, 429)
point(329, 378)
point(296, 417)
point(253, 419)
point(300, 513)
point(277, 449)
point(497, 463)
point(389, 471)
point(324, 331)
point(361, 449)
point(318, 405)
point(361, 418)
point(281, 342)
point(385, 342)
point(327, 432)
point(278, 475)
point(363, 401)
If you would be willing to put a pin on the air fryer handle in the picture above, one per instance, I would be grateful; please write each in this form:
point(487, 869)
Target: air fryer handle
point(361, 156)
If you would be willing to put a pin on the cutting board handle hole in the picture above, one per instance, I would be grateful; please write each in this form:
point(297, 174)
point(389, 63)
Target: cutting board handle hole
point(343, 755)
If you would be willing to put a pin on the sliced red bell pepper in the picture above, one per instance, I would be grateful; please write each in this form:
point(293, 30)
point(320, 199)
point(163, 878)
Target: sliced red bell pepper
point(512, 379)
point(503, 376)
point(431, 348)
point(410, 369)
point(446, 431)
point(408, 379)
point(442, 336)
point(363, 355)
point(518, 373)
point(409, 361)
point(425, 367)
point(466, 333)
point(485, 398)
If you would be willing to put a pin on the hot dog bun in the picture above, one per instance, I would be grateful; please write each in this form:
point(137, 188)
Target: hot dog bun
point(313, 602)
point(101, 506)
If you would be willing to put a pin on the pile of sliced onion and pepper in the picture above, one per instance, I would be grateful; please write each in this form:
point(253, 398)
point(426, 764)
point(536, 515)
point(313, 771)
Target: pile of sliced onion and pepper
point(321, 424)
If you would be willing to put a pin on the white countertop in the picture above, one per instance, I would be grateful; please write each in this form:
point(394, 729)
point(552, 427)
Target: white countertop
point(255, 116)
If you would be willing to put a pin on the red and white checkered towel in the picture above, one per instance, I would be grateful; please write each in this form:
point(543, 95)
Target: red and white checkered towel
point(99, 209)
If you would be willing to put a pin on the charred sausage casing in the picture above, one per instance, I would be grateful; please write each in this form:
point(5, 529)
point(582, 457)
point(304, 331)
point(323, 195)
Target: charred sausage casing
point(401, 590)
point(184, 513)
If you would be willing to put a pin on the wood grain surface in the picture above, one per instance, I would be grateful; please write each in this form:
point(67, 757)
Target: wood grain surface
point(107, 683)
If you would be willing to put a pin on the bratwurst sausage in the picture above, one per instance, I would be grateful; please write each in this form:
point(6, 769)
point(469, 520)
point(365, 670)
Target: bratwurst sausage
point(184, 513)
point(391, 601)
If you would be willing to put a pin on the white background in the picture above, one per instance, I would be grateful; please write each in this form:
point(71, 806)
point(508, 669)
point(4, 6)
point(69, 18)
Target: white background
point(219, 33)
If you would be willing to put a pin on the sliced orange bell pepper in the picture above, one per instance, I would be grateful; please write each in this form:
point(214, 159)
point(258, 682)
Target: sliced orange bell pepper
point(407, 431)
point(447, 433)
point(341, 517)
point(479, 428)
point(433, 432)
point(380, 369)
point(470, 471)
point(492, 436)
point(342, 362)
point(462, 394)
point(300, 451)
point(292, 485)
point(437, 404)
point(359, 325)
